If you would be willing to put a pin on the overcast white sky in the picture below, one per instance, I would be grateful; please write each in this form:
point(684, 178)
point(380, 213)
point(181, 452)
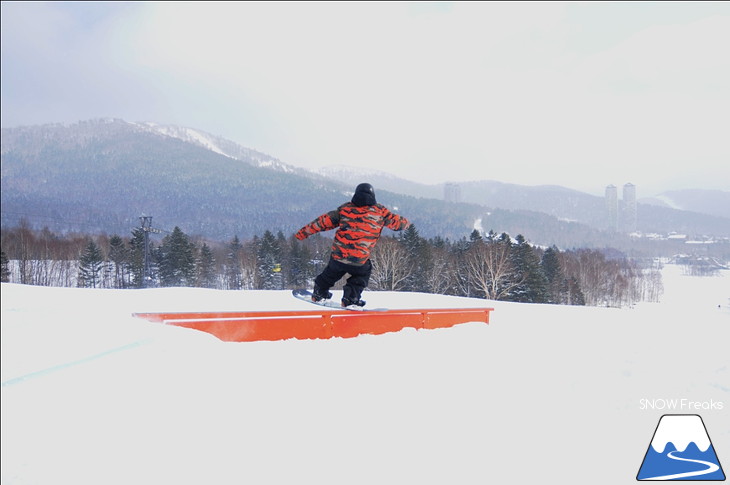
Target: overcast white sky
point(580, 94)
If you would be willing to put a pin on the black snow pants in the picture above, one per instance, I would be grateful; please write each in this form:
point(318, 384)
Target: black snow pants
point(356, 283)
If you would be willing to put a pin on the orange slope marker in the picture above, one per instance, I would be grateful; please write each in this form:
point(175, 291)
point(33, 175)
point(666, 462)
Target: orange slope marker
point(250, 326)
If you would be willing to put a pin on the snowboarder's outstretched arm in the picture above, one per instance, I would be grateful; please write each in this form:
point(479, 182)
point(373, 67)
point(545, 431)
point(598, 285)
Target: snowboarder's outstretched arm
point(395, 222)
point(325, 222)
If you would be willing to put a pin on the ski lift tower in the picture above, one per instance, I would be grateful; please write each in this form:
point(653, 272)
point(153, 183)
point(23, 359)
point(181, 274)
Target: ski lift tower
point(146, 222)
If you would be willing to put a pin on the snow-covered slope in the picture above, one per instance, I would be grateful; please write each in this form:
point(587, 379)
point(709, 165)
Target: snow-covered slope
point(218, 145)
point(91, 395)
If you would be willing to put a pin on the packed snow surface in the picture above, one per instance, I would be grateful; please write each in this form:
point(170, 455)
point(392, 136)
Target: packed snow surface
point(92, 395)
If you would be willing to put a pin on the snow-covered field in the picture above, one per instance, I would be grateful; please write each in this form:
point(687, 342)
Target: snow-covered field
point(544, 394)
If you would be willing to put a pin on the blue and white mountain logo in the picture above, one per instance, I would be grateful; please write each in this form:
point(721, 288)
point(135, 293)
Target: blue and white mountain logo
point(681, 450)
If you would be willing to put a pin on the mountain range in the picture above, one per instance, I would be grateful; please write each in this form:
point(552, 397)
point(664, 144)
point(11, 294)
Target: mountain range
point(102, 175)
point(555, 200)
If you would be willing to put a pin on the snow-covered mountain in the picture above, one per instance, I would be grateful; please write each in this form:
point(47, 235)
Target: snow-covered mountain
point(681, 430)
point(218, 145)
point(713, 202)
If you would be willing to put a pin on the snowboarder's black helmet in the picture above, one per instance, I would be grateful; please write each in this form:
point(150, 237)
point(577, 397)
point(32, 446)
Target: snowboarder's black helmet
point(364, 195)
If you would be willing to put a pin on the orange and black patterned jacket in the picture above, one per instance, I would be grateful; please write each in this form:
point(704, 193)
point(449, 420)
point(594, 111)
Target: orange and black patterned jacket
point(358, 229)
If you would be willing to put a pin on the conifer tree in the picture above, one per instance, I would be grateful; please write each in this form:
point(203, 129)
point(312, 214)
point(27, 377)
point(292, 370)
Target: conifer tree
point(553, 273)
point(176, 260)
point(90, 266)
point(234, 274)
point(283, 256)
point(299, 267)
point(268, 262)
point(463, 283)
point(119, 255)
point(4, 267)
point(206, 277)
point(531, 284)
point(418, 258)
point(438, 242)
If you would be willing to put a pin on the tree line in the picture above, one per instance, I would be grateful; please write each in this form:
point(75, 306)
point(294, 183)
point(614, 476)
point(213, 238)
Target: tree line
point(492, 266)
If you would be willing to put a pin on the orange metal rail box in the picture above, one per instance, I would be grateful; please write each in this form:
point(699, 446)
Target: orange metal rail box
point(281, 325)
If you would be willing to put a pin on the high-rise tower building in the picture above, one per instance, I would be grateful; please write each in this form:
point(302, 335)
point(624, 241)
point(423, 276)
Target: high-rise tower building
point(452, 192)
point(612, 208)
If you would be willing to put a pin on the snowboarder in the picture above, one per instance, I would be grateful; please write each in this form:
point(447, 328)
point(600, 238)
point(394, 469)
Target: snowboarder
point(359, 224)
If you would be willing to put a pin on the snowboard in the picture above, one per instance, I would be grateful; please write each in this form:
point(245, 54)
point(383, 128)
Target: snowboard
point(306, 295)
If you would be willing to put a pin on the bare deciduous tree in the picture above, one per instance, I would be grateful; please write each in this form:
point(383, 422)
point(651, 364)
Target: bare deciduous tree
point(439, 277)
point(390, 266)
point(490, 268)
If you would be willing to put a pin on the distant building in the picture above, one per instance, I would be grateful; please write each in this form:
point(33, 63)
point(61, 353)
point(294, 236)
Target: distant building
point(621, 216)
point(612, 208)
point(628, 219)
point(452, 192)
